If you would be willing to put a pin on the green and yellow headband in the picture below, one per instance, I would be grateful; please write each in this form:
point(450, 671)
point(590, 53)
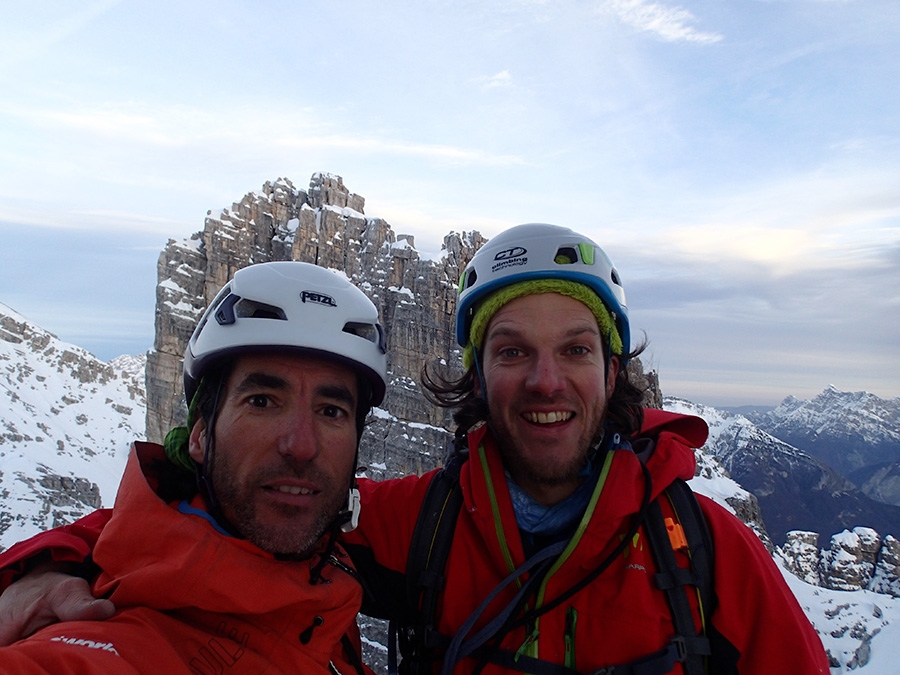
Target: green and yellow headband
point(573, 289)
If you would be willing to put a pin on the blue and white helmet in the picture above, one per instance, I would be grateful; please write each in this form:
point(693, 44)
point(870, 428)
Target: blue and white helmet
point(540, 251)
point(292, 306)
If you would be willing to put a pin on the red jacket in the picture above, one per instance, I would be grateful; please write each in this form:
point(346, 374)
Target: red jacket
point(192, 600)
point(759, 628)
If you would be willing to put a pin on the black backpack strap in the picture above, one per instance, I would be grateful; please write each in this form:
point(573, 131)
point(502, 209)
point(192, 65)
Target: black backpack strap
point(428, 553)
point(700, 544)
point(676, 582)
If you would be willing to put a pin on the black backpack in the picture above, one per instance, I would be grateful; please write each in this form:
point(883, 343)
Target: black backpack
point(421, 645)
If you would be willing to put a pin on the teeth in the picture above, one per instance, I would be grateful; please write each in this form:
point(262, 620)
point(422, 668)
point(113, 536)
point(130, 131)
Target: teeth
point(547, 418)
point(291, 490)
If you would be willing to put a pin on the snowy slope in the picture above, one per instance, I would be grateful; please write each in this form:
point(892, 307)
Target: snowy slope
point(860, 629)
point(66, 423)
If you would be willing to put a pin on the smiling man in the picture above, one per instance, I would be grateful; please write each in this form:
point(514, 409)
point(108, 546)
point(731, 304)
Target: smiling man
point(567, 494)
point(234, 565)
point(285, 458)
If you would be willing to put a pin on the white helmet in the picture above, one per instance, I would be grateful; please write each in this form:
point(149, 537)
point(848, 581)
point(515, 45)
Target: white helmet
point(290, 306)
point(539, 251)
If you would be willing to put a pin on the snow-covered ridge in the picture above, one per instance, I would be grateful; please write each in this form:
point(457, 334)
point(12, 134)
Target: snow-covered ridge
point(872, 418)
point(66, 424)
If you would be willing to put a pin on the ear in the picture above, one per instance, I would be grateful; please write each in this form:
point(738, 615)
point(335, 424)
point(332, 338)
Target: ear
point(197, 441)
point(611, 376)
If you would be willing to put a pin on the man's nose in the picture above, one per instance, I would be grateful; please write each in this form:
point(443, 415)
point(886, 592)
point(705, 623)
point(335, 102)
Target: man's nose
point(545, 376)
point(297, 437)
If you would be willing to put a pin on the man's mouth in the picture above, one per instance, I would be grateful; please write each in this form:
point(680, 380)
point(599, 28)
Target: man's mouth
point(548, 417)
point(293, 490)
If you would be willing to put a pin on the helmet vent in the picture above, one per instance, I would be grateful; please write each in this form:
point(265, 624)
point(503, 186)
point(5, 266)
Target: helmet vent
point(367, 331)
point(614, 275)
point(565, 255)
point(251, 309)
point(471, 278)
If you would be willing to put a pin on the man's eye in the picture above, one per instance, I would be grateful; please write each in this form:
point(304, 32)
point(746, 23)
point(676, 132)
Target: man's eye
point(259, 401)
point(333, 411)
point(578, 351)
point(510, 352)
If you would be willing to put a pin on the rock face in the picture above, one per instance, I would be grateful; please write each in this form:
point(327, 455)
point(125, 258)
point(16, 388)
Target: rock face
point(849, 562)
point(854, 560)
point(887, 568)
point(802, 556)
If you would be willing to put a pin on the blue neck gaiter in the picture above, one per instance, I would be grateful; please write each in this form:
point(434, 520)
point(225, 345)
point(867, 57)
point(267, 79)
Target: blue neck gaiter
point(538, 520)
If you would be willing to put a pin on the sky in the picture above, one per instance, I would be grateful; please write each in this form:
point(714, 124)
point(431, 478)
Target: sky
point(739, 160)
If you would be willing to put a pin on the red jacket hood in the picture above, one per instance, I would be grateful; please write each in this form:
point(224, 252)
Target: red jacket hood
point(692, 430)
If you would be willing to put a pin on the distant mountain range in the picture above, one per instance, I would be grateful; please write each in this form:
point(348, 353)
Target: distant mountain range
point(796, 486)
point(857, 434)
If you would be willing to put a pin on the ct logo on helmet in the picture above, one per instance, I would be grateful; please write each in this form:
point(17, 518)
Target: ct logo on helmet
point(318, 298)
point(511, 257)
point(514, 252)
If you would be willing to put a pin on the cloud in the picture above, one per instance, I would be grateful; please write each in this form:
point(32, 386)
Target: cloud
point(501, 80)
point(745, 334)
point(433, 152)
point(821, 2)
point(670, 24)
point(88, 219)
point(239, 128)
point(837, 217)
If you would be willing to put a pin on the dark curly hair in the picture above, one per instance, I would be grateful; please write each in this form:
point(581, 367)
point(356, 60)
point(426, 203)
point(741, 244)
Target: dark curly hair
point(624, 411)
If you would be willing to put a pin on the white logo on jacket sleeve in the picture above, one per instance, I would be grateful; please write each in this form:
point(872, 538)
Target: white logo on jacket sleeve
point(83, 642)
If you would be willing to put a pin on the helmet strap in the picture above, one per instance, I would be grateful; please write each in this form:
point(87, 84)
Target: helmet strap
point(348, 519)
point(479, 372)
point(608, 360)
